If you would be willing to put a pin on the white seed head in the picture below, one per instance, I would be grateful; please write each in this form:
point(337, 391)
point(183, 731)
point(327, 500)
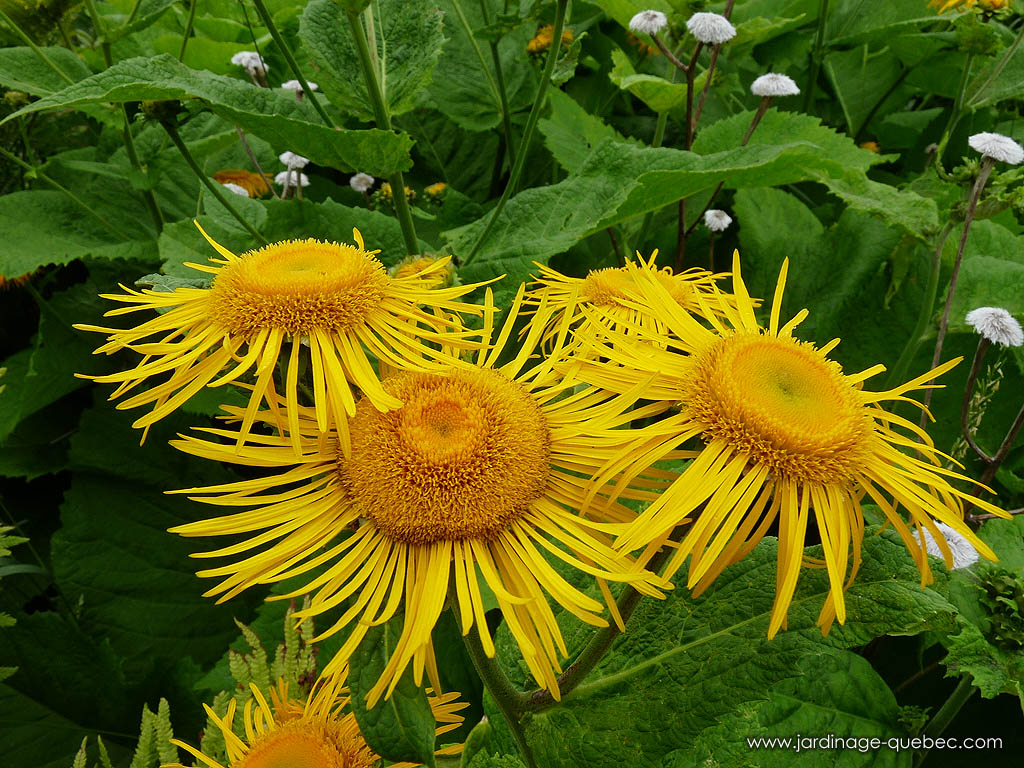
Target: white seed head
point(252, 61)
point(361, 182)
point(998, 147)
point(964, 553)
point(293, 162)
point(295, 85)
point(716, 220)
point(774, 84)
point(288, 179)
point(997, 325)
point(236, 189)
point(648, 22)
point(711, 28)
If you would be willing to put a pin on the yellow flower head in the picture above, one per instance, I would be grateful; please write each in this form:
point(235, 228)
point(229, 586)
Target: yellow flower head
point(315, 733)
point(787, 436)
point(608, 297)
point(871, 146)
point(477, 476)
point(436, 191)
point(986, 5)
point(251, 182)
point(545, 36)
point(319, 304)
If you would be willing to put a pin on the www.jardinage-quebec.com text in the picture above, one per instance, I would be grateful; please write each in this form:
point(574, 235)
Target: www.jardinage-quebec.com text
point(800, 743)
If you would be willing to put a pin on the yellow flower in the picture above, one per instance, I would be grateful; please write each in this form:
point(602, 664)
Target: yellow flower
point(424, 267)
point(436, 190)
point(316, 732)
point(476, 476)
point(607, 297)
point(871, 146)
point(251, 182)
point(337, 299)
point(545, 36)
point(787, 436)
point(987, 5)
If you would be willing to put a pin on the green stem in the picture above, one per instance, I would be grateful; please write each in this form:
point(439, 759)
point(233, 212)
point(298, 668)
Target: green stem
point(307, 92)
point(476, 48)
point(383, 120)
point(134, 11)
point(97, 25)
point(506, 114)
point(531, 124)
point(958, 106)
point(819, 45)
point(1007, 54)
point(133, 157)
point(931, 292)
point(61, 188)
point(188, 28)
point(215, 189)
point(510, 701)
point(35, 48)
point(949, 710)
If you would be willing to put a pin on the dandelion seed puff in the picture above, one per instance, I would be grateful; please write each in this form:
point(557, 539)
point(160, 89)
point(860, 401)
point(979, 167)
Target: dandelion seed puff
point(649, 22)
point(774, 84)
point(295, 85)
point(293, 161)
point(998, 147)
point(716, 220)
point(251, 61)
point(964, 553)
point(288, 179)
point(997, 325)
point(711, 28)
point(361, 182)
point(237, 189)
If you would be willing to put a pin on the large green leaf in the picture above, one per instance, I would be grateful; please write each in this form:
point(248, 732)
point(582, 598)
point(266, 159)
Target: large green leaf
point(271, 113)
point(685, 663)
point(408, 36)
point(400, 727)
point(656, 92)
point(570, 132)
point(861, 79)
point(852, 21)
point(22, 70)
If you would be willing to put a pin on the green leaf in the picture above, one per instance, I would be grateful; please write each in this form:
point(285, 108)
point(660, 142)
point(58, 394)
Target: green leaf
point(400, 727)
point(271, 113)
point(34, 734)
point(902, 207)
point(848, 22)
point(147, 13)
point(687, 662)
point(836, 693)
point(991, 274)
point(570, 133)
point(861, 79)
point(656, 92)
point(409, 38)
point(995, 670)
point(22, 70)
point(991, 87)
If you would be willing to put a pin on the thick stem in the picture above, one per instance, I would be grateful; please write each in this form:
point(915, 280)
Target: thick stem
point(972, 378)
point(987, 164)
point(215, 189)
point(188, 28)
point(511, 702)
point(899, 370)
point(292, 63)
point(819, 45)
point(61, 188)
point(949, 710)
point(531, 125)
point(383, 120)
point(35, 48)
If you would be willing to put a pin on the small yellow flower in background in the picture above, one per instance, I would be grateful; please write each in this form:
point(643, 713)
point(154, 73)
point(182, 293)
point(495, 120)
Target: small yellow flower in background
point(545, 36)
point(317, 732)
point(871, 146)
point(787, 436)
point(337, 299)
point(607, 296)
point(644, 48)
point(987, 5)
point(252, 183)
point(436, 191)
point(478, 475)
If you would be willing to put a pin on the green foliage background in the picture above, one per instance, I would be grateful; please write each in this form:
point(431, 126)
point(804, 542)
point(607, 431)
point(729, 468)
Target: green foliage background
point(100, 611)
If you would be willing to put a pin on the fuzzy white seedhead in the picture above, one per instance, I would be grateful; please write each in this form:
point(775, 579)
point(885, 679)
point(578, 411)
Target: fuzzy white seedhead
point(774, 84)
point(648, 22)
point(711, 28)
point(295, 85)
point(236, 189)
point(998, 147)
point(361, 182)
point(716, 220)
point(288, 179)
point(252, 61)
point(964, 553)
point(293, 162)
point(997, 325)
